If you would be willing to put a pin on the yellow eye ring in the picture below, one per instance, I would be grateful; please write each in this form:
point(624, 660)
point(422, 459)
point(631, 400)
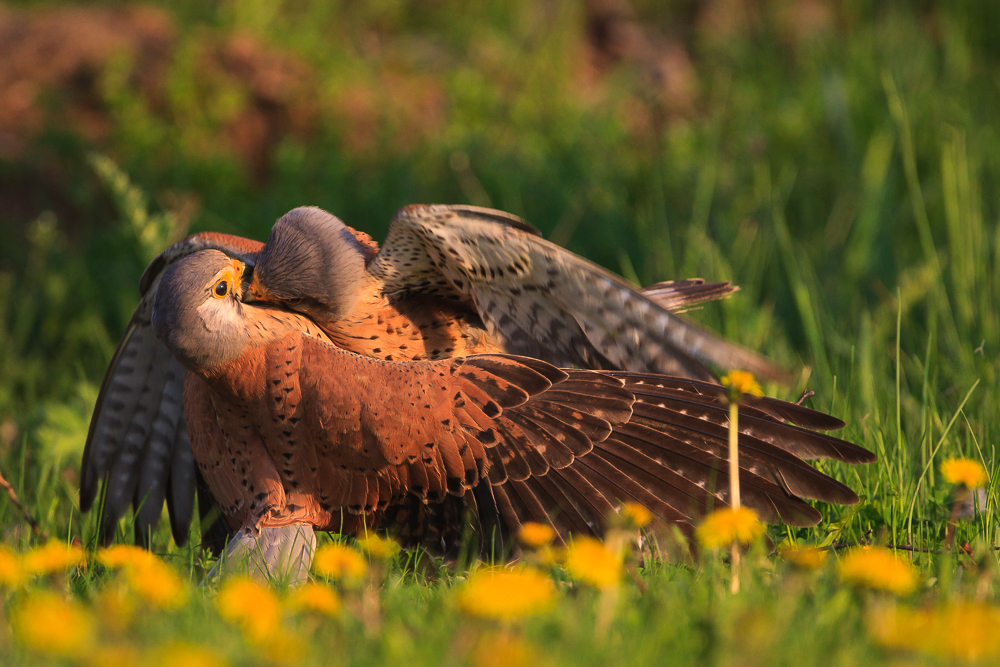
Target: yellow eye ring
point(221, 289)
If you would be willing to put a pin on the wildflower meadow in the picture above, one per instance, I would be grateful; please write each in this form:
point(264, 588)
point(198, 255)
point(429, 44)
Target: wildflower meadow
point(838, 160)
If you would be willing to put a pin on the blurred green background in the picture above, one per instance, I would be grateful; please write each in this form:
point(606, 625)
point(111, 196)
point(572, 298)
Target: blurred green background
point(837, 159)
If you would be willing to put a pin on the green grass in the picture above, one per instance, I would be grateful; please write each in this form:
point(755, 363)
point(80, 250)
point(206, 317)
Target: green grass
point(846, 178)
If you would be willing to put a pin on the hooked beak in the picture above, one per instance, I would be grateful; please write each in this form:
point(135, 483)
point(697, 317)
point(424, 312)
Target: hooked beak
point(252, 289)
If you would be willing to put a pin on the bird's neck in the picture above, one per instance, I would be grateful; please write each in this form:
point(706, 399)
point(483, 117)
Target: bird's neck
point(241, 378)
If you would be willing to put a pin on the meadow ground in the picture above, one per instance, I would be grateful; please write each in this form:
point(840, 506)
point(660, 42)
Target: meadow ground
point(838, 161)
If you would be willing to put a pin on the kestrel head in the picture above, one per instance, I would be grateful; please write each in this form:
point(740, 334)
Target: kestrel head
point(311, 263)
point(197, 310)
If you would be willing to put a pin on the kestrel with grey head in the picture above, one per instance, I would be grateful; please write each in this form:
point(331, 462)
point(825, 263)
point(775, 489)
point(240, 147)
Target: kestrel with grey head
point(467, 367)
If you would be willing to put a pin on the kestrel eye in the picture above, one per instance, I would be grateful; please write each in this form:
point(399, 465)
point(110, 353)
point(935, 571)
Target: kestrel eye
point(221, 288)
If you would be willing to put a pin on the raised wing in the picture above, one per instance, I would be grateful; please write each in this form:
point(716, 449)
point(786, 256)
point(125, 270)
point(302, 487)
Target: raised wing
point(543, 301)
point(137, 439)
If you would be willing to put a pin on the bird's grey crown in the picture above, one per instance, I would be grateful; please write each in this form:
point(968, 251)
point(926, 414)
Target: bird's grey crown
point(199, 329)
point(312, 255)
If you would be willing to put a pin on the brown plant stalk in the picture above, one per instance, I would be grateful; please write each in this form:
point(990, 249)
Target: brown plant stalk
point(35, 528)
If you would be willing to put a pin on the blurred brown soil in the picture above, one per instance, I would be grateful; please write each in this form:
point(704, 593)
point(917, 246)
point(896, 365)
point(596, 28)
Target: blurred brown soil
point(55, 59)
point(51, 76)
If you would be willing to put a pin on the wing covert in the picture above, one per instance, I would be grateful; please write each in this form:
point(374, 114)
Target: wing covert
point(543, 301)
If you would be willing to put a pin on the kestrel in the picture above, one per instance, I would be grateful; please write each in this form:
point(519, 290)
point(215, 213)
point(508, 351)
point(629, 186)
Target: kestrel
point(335, 385)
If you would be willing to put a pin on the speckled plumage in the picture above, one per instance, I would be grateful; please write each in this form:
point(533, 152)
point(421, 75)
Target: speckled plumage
point(295, 430)
point(450, 282)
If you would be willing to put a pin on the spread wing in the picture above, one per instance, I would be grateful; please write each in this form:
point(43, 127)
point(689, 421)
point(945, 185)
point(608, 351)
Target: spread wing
point(517, 439)
point(137, 439)
point(543, 301)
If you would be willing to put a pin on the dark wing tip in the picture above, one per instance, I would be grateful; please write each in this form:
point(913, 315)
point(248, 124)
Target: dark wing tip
point(88, 491)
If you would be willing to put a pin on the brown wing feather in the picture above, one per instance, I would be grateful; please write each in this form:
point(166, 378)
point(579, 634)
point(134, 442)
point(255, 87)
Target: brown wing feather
point(550, 445)
point(543, 301)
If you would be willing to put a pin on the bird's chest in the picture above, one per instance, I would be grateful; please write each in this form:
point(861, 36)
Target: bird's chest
point(303, 410)
point(411, 330)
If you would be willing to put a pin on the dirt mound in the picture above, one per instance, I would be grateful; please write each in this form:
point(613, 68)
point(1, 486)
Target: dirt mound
point(51, 76)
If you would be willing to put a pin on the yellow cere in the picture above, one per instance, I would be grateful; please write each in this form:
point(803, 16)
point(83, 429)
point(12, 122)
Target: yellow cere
point(727, 525)
point(878, 568)
point(965, 472)
point(228, 279)
point(506, 594)
point(335, 561)
point(590, 561)
point(535, 535)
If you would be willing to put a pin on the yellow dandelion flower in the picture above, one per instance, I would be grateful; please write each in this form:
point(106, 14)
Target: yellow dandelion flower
point(379, 548)
point(123, 555)
point(48, 623)
point(115, 655)
point(503, 650)
point(157, 583)
point(11, 572)
point(636, 514)
point(148, 576)
point(965, 631)
point(547, 556)
point(727, 525)
point(315, 598)
point(535, 535)
point(964, 472)
point(115, 608)
point(589, 561)
point(283, 649)
point(805, 558)
point(54, 556)
point(506, 594)
point(188, 655)
point(336, 561)
point(740, 383)
point(251, 606)
point(879, 569)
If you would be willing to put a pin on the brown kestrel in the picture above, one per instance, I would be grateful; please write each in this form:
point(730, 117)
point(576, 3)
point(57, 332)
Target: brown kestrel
point(331, 386)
